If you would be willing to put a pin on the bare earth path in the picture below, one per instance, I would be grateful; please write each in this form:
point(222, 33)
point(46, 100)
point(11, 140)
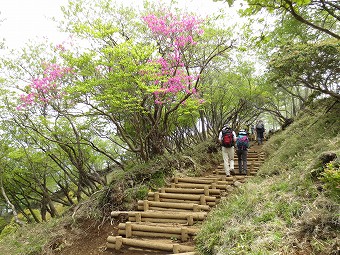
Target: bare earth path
point(167, 221)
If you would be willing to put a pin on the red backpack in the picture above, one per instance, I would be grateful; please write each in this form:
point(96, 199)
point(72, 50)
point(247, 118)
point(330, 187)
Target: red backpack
point(227, 138)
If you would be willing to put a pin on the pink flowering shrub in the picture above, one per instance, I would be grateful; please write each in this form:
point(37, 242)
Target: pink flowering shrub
point(176, 34)
point(43, 90)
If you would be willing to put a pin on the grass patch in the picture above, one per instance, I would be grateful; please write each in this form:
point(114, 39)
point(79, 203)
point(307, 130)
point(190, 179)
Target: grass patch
point(29, 239)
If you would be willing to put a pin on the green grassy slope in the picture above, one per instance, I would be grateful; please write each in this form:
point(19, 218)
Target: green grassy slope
point(286, 209)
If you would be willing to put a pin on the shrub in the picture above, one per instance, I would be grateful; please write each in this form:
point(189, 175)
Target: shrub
point(331, 179)
point(3, 223)
point(8, 229)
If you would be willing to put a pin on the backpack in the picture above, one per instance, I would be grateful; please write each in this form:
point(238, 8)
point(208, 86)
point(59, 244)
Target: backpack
point(227, 138)
point(259, 126)
point(242, 143)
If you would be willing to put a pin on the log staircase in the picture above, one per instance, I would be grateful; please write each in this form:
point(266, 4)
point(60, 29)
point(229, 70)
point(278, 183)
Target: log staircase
point(167, 221)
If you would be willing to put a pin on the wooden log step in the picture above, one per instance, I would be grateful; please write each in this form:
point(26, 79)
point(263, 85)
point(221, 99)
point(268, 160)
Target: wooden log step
point(152, 227)
point(257, 163)
point(155, 208)
point(160, 220)
point(116, 242)
point(171, 200)
point(153, 205)
point(222, 173)
point(155, 214)
point(236, 177)
point(236, 173)
point(249, 164)
point(221, 177)
point(183, 238)
point(199, 186)
point(250, 152)
point(202, 198)
point(185, 217)
point(226, 183)
point(169, 231)
point(197, 180)
point(249, 157)
point(206, 191)
point(240, 177)
point(200, 180)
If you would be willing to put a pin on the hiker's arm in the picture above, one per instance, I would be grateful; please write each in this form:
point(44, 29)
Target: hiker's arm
point(234, 137)
point(220, 137)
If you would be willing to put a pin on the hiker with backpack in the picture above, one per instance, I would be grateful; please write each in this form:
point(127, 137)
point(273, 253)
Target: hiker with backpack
point(253, 135)
point(242, 145)
point(260, 132)
point(227, 138)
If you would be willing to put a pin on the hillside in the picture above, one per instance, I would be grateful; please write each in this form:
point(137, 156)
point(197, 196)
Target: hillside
point(125, 115)
point(286, 209)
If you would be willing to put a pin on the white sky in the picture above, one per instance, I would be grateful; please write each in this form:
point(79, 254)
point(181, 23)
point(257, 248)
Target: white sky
point(31, 19)
point(28, 19)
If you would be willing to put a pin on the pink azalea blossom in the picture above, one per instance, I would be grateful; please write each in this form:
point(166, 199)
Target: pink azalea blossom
point(46, 88)
point(176, 32)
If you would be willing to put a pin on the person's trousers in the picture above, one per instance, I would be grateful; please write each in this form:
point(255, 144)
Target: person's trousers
point(242, 161)
point(228, 159)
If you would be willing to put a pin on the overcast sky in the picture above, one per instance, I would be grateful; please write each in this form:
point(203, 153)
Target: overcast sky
point(31, 19)
point(28, 19)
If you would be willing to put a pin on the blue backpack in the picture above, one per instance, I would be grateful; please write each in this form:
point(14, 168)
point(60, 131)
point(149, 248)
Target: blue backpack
point(242, 142)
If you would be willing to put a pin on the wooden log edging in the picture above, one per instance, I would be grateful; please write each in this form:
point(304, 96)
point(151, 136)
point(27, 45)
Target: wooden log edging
point(206, 191)
point(146, 205)
point(116, 242)
point(186, 217)
point(201, 198)
point(199, 186)
point(196, 180)
point(130, 229)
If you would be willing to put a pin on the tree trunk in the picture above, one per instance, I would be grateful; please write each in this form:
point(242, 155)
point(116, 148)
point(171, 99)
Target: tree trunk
point(15, 214)
point(65, 191)
point(204, 135)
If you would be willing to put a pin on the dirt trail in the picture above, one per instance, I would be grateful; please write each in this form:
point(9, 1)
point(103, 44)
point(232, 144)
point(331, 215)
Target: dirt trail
point(154, 225)
point(93, 240)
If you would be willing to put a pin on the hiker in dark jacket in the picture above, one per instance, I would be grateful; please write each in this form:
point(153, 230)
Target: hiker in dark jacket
point(260, 132)
point(242, 145)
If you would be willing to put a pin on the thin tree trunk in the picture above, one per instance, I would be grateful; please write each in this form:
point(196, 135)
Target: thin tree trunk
point(204, 134)
point(15, 214)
